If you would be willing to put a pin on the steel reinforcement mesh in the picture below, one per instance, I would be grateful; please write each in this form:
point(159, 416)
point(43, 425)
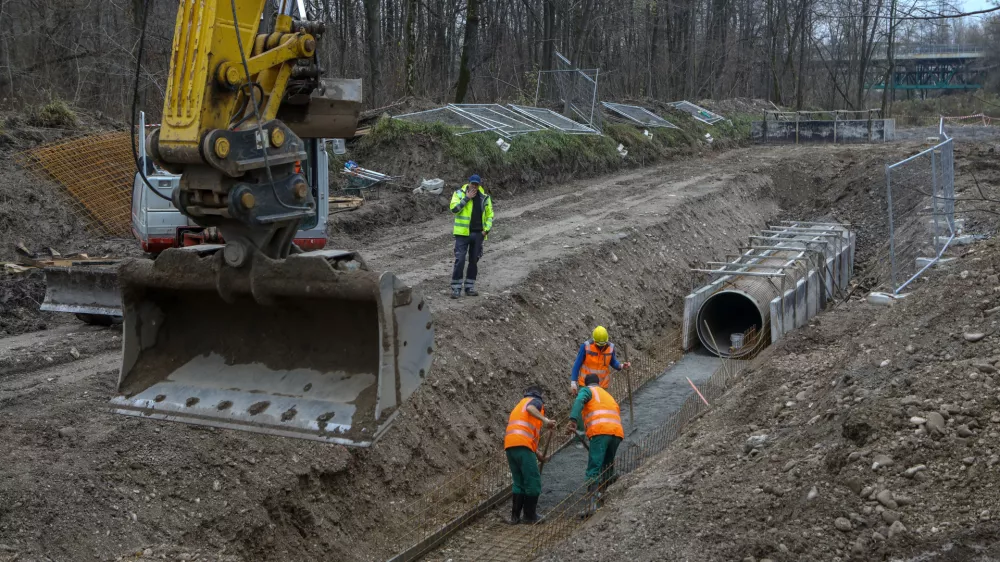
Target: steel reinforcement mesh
point(433, 522)
point(96, 171)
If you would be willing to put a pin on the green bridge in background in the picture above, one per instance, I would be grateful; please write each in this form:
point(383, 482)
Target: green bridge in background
point(934, 67)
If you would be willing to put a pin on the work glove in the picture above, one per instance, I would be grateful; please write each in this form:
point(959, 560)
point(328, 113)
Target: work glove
point(573, 388)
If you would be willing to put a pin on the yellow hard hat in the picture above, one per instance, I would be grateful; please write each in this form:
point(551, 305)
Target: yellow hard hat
point(600, 335)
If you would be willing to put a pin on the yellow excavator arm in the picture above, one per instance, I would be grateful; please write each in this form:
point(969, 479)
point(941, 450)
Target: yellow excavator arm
point(257, 335)
point(220, 130)
point(207, 83)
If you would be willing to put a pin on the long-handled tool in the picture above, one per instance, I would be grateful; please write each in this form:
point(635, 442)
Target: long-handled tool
point(583, 439)
point(628, 385)
point(549, 436)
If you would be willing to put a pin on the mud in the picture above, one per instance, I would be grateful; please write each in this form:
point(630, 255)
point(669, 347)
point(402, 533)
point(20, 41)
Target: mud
point(614, 250)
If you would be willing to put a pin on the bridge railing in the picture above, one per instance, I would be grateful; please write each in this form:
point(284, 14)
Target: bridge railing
point(913, 49)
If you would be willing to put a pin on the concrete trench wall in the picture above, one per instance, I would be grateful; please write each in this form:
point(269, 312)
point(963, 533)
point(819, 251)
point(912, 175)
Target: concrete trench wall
point(825, 131)
point(795, 308)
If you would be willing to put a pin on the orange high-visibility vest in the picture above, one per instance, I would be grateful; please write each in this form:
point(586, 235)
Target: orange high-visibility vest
point(601, 415)
point(597, 361)
point(523, 429)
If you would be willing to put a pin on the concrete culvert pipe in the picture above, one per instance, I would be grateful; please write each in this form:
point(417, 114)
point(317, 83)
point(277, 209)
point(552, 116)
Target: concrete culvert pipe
point(732, 312)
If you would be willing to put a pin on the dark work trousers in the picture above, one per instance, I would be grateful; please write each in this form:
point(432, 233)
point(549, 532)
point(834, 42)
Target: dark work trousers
point(471, 245)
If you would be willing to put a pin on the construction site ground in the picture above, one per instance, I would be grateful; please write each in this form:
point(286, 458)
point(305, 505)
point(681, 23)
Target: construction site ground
point(79, 483)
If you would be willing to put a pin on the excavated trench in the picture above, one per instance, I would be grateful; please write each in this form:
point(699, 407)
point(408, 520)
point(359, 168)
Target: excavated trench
point(563, 261)
point(653, 405)
point(725, 313)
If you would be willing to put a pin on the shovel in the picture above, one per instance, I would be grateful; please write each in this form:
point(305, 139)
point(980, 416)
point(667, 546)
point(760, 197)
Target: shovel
point(628, 385)
point(545, 450)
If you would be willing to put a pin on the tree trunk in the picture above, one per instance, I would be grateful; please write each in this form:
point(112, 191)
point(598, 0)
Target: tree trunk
point(409, 71)
point(469, 50)
point(374, 40)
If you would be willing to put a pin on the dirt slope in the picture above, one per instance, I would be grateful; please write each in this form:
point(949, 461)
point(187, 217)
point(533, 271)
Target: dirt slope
point(869, 416)
point(842, 426)
point(84, 484)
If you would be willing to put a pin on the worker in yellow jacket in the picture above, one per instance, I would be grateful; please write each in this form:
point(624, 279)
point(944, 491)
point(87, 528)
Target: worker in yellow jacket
point(473, 210)
point(520, 442)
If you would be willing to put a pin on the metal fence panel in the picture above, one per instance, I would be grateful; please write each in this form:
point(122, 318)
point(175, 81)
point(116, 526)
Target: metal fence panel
point(449, 117)
point(920, 195)
point(573, 88)
point(639, 115)
point(698, 112)
point(505, 121)
point(552, 120)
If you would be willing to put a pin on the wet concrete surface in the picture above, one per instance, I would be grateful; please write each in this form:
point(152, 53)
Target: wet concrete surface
point(653, 404)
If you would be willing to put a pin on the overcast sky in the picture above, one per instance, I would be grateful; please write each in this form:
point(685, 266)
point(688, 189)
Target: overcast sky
point(974, 5)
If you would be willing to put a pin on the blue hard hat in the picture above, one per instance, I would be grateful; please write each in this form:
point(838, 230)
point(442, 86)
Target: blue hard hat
point(475, 179)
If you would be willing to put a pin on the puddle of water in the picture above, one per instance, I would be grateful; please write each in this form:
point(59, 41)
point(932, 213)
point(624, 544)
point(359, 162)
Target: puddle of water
point(653, 405)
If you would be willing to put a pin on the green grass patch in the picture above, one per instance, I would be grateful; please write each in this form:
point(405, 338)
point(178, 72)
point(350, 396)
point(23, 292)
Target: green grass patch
point(417, 150)
point(54, 115)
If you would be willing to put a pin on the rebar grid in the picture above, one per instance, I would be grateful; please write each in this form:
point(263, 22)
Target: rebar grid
point(96, 171)
point(563, 520)
point(490, 539)
point(455, 502)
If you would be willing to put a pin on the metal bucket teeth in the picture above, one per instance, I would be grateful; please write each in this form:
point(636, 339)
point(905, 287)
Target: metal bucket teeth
point(306, 347)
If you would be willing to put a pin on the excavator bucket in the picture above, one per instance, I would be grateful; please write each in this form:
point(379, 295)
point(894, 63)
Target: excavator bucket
point(87, 289)
point(314, 346)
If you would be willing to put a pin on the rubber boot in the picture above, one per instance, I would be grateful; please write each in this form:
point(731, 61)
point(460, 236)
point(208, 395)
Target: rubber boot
point(516, 506)
point(530, 514)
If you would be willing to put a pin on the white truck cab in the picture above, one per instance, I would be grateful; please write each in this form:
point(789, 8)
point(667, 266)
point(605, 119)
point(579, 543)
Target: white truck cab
point(158, 225)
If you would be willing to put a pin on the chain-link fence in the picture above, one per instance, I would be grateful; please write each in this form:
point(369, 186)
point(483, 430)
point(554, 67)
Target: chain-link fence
point(920, 194)
point(571, 91)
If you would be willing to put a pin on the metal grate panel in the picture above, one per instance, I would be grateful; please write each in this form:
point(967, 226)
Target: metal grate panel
point(699, 113)
point(639, 115)
point(552, 120)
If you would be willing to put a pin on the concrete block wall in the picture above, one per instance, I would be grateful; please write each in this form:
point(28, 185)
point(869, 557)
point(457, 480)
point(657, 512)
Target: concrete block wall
point(827, 131)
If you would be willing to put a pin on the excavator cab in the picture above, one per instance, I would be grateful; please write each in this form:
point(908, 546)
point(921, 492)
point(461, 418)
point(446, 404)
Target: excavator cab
point(258, 335)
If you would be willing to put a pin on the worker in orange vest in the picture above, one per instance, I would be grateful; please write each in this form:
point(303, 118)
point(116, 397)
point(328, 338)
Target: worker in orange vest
point(520, 443)
point(596, 357)
point(597, 414)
